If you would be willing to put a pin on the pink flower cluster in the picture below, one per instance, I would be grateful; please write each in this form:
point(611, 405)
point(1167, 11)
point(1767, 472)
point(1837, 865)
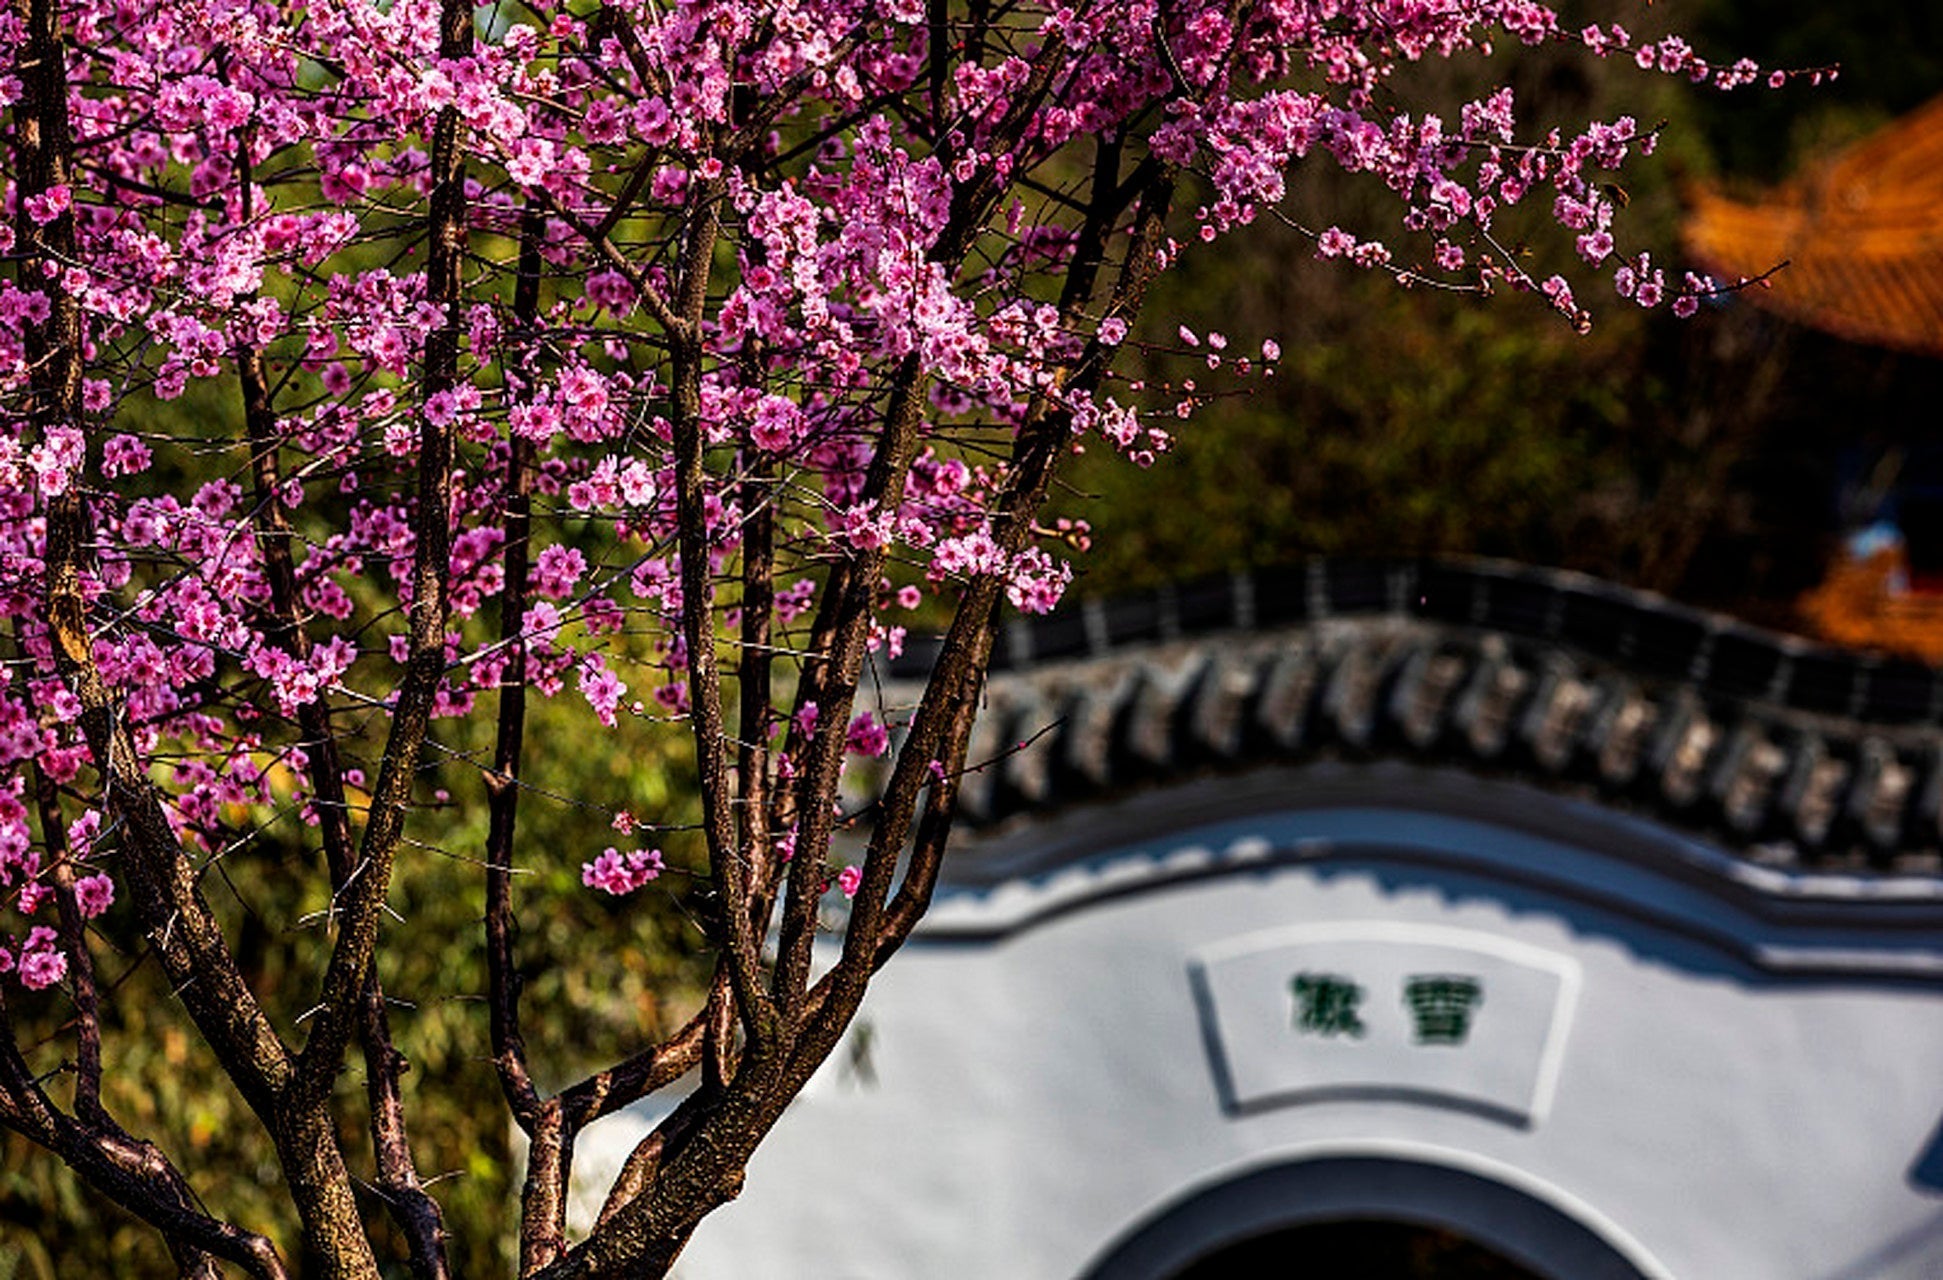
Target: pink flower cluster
point(618, 873)
point(868, 736)
point(40, 962)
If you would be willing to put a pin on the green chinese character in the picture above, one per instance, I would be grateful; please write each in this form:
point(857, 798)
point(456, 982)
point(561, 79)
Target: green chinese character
point(1442, 1004)
point(1325, 1003)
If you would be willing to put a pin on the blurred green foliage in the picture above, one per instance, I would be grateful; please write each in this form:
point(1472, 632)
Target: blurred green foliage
point(602, 976)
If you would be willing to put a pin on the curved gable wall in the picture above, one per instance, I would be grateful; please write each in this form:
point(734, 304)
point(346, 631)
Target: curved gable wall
point(1048, 1073)
point(1701, 926)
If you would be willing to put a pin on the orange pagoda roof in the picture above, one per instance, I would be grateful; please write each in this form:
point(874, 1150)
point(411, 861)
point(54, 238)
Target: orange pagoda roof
point(1861, 232)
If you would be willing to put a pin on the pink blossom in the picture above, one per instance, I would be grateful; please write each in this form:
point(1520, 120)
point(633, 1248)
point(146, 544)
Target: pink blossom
point(94, 894)
point(867, 736)
point(602, 689)
point(124, 455)
point(1334, 243)
point(849, 880)
point(612, 291)
point(778, 424)
point(1037, 581)
point(41, 969)
point(41, 965)
point(56, 459)
point(557, 570)
point(50, 204)
point(617, 873)
point(863, 526)
point(440, 409)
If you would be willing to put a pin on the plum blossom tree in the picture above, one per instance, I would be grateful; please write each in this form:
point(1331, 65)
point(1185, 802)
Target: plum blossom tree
point(658, 356)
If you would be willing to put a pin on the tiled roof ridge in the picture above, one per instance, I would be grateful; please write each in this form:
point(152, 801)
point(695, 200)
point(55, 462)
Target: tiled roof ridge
point(1600, 619)
point(1774, 746)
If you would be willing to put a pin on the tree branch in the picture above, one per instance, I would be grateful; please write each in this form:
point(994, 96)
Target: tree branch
point(131, 1173)
point(162, 881)
point(502, 784)
point(357, 907)
point(740, 941)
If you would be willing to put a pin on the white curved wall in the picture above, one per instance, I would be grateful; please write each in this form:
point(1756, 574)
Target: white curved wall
point(1029, 1098)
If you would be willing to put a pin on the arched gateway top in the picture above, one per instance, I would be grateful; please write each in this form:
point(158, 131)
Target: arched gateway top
point(1493, 1205)
point(1606, 933)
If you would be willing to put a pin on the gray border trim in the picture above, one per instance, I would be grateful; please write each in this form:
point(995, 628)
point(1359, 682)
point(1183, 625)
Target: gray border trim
point(1441, 821)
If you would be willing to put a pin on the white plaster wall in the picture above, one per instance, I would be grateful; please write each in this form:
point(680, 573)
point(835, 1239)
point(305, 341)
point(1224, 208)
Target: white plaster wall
point(1036, 1097)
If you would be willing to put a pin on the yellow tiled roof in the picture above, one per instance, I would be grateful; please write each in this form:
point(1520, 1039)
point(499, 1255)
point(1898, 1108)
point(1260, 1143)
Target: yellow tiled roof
point(1862, 233)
